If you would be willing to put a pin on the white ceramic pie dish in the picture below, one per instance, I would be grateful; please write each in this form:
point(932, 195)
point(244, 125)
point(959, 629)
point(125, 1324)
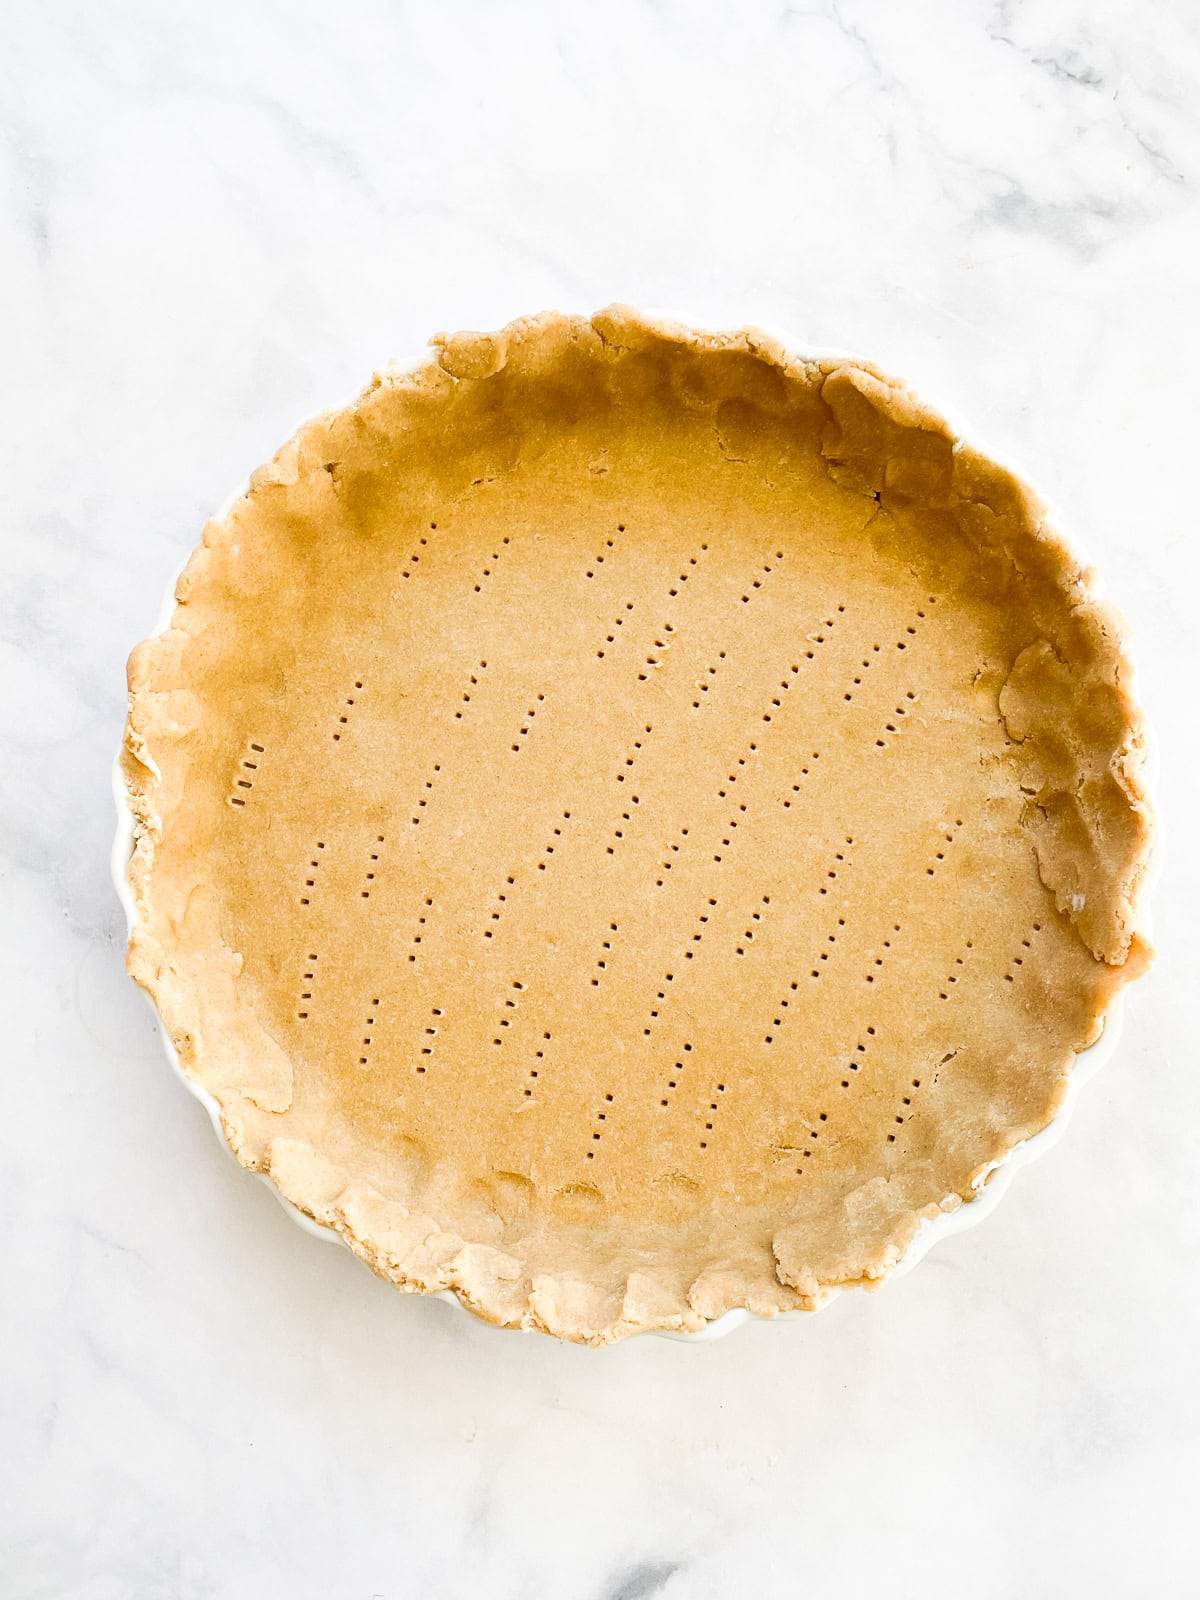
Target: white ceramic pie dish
point(990, 1185)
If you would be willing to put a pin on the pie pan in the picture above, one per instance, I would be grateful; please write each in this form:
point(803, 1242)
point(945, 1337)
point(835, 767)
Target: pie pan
point(714, 1190)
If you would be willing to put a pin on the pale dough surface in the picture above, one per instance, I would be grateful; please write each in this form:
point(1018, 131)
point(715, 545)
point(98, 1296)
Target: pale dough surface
point(629, 822)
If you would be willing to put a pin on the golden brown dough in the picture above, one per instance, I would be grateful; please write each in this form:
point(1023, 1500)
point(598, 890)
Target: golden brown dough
point(629, 822)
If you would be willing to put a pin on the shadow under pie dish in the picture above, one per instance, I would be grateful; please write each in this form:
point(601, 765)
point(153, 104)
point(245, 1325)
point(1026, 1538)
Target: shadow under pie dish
point(629, 822)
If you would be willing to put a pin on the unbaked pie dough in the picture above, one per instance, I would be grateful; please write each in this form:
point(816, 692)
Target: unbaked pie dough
point(629, 822)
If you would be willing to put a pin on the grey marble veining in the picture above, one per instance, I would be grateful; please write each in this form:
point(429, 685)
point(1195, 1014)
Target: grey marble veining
point(219, 218)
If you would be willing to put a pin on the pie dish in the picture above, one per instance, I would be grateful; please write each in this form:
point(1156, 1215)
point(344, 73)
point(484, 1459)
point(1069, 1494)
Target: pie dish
point(629, 823)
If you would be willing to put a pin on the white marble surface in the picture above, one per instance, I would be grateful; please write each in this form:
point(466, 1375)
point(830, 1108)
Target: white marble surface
point(218, 217)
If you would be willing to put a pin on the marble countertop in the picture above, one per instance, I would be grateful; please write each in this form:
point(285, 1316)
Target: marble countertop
point(220, 217)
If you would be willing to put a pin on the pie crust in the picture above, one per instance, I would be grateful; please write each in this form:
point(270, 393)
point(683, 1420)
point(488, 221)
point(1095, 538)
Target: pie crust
point(629, 822)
